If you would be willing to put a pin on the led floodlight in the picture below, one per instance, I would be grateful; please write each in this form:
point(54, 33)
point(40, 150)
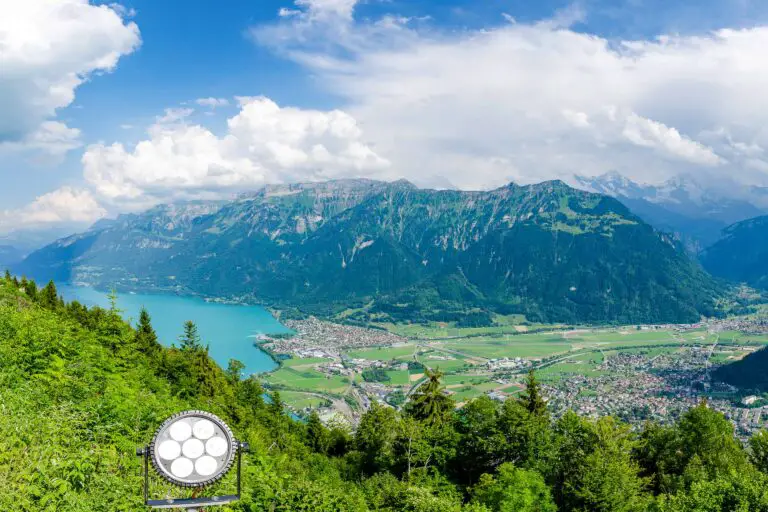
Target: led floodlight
point(192, 449)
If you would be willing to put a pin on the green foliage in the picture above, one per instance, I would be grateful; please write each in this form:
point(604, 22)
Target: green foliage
point(375, 375)
point(741, 253)
point(746, 373)
point(758, 445)
point(429, 403)
point(532, 395)
point(514, 490)
point(190, 340)
point(80, 389)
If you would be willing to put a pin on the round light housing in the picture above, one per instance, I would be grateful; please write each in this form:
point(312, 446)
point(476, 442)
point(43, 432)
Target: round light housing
point(193, 449)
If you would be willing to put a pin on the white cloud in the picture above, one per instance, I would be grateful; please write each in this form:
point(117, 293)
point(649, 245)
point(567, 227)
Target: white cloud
point(174, 115)
point(212, 102)
point(532, 101)
point(52, 137)
point(651, 134)
point(47, 49)
point(64, 205)
point(328, 8)
point(264, 143)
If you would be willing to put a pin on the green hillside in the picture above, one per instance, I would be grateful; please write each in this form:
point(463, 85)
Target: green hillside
point(750, 373)
point(392, 252)
point(80, 390)
point(741, 255)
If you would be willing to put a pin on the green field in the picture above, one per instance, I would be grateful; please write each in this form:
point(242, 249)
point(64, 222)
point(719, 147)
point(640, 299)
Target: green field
point(450, 380)
point(521, 346)
point(308, 379)
point(504, 324)
point(299, 400)
point(445, 365)
point(293, 362)
point(404, 353)
point(398, 377)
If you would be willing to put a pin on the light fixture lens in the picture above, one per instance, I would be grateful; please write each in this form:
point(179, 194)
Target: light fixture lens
point(192, 448)
point(203, 429)
point(182, 468)
point(169, 450)
point(181, 431)
point(206, 465)
point(216, 446)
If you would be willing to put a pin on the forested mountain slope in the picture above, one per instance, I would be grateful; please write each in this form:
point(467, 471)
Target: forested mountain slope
point(741, 255)
point(750, 373)
point(80, 390)
point(391, 251)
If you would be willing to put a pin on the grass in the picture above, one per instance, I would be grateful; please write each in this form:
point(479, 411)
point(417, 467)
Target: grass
point(449, 365)
point(308, 379)
point(436, 330)
point(299, 400)
point(403, 353)
point(398, 378)
point(310, 361)
point(450, 380)
point(494, 349)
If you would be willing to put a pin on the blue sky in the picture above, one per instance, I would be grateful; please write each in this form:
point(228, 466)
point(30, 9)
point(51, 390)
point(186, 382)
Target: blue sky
point(371, 89)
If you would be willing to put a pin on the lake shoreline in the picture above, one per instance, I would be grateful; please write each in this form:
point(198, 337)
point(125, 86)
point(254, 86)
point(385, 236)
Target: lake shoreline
point(227, 328)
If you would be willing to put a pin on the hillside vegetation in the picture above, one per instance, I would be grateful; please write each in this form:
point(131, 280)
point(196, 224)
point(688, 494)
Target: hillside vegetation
point(741, 255)
point(393, 252)
point(80, 390)
point(749, 373)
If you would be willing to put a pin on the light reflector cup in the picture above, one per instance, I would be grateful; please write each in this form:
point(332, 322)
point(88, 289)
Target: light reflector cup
point(193, 449)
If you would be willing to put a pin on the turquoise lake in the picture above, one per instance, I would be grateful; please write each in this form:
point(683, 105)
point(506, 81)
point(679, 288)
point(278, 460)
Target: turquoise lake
point(229, 330)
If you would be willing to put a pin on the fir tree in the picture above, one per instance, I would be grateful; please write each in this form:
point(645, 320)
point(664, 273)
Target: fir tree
point(190, 340)
point(49, 296)
point(532, 398)
point(146, 338)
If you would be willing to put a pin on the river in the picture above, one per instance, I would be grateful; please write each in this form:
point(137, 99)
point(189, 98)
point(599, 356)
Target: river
point(228, 329)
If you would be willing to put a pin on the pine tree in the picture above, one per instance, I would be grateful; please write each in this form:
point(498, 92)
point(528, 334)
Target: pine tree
point(49, 296)
point(190, 340)
point(146, 338)
point(532, 398)
point(318, 437)
point(8, 278)
point(30, 288)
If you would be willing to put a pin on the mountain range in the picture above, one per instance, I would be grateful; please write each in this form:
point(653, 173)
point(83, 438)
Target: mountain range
point(365, 250)
point(695, 209)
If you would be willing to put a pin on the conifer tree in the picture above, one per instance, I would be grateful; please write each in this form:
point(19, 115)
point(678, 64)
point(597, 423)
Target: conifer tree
point(190, 340)
point(146, 338)
point(429, 403)
point(532, 398)
point(49, 296)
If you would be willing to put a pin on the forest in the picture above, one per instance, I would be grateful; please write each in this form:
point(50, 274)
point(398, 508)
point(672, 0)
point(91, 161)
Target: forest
point(81, 389)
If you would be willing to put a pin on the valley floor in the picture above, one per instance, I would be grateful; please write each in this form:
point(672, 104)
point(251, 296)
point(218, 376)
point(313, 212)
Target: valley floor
point(634, 372)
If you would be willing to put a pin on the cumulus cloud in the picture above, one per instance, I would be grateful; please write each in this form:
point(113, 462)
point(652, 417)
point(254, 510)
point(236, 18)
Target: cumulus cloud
point(52, 137)
point(48, 49)
point(64, 205)
point(264, 143)
point(533, 101)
